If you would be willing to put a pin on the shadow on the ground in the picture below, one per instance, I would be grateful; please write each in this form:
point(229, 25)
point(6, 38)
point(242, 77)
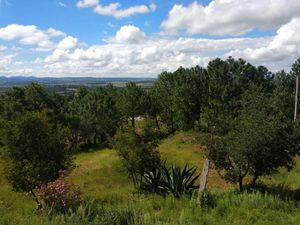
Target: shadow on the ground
point(281, 190)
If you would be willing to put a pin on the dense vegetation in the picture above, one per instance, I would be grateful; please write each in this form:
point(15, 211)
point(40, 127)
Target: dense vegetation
point(240, 115)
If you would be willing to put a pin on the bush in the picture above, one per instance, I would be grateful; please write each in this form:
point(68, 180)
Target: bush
point(35, 152)
point(207, 200)
point(137, 152)
point(60, 195)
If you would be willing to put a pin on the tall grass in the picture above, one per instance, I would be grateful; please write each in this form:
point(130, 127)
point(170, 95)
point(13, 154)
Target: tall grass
point(230, 208)
point(101, 177)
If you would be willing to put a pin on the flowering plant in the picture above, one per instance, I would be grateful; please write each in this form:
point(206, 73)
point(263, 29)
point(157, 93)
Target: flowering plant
point(60, 195)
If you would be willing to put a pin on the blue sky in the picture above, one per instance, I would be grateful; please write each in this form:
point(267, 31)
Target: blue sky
point(145, 37)
point(82, 23)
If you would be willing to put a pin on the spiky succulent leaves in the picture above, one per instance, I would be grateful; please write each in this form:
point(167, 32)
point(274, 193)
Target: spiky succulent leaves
point(154, 182)
point(179, 181)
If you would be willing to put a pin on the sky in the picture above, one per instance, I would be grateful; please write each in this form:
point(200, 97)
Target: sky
point(142, 38)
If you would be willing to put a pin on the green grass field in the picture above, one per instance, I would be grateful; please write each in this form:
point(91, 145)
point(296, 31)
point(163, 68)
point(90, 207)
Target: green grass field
point(100, 175)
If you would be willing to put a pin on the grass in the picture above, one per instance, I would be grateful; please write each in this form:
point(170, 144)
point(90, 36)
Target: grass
point(183, 148)
point(287, 178)
point(100, 175)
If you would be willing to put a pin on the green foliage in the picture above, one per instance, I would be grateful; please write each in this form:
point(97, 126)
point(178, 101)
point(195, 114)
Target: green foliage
point(181, 97)
point(246, 112)
point(174, 180)
point(261, 142)
point(93, 116)
point(131, 102)
point(180, 181)
point(35, 152)
point(138, 153)
point(154, 180)
point(100, 113)
point(226, 81)
point(207, 199)
point(230, 208)
point(100, 176)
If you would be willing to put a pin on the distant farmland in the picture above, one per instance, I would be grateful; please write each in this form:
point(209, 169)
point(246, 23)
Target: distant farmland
point(69, 85)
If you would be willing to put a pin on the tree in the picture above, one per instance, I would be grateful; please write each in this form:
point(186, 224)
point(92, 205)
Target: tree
point(138, 152)
point(36, 98)
point(152, 106)
point(260, 142)
point(12, 103)
point(132, 102)
point(74, 118)
point(100, 112)
point(225, 83)
point(35, 153)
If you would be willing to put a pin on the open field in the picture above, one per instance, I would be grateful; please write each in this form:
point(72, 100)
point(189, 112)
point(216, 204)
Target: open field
point(101, 176)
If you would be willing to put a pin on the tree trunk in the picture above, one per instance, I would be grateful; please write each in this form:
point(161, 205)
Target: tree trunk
point(254, 179)
point(36, 200)
point(157, 123)
point(133, 121)
point(241, 184)
point(95, 138)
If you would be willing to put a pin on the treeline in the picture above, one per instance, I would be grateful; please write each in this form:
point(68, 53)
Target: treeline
point(230, 99)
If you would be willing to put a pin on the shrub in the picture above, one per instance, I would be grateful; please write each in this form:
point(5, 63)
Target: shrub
point(35, 152)
point(60, 195)
point(137, 152)
point(207, 200)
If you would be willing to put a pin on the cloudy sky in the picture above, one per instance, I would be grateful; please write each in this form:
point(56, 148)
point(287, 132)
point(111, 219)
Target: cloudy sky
point(108, 38)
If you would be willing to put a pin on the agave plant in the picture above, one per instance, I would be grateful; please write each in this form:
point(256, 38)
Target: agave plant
point(180, 181)
point(173, 180)
point(154, 181)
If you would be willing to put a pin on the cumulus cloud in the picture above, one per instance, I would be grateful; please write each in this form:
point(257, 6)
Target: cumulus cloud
point(67, 43)
point(284, 48)
point(115, 10)
point(132, 53)
point(130, 34)
point(29, 35)
point(87, 3)
point(55, 33)
point(230, 17)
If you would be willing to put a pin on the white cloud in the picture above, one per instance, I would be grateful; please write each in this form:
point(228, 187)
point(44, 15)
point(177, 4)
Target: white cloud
point(231, 17)
point(61, 4)
point(114, 9)
point(67, 43)
point(29, 35)
point(87, 3)
point(282, 50)
point(130, 34)
point(55, 33)
point(132, 53)
point(2, 48)
point(5, 61)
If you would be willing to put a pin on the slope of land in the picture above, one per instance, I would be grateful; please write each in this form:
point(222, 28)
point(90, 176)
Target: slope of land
point(101, 176)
